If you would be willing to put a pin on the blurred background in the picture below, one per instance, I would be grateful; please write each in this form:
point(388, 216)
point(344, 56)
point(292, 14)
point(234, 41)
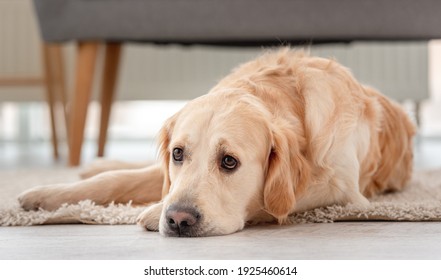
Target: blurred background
point(155, 81)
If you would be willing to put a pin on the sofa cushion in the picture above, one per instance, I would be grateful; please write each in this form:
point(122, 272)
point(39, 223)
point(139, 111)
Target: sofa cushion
point(238, 21)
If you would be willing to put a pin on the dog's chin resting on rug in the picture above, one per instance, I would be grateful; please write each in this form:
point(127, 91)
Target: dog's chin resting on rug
point(282, 134)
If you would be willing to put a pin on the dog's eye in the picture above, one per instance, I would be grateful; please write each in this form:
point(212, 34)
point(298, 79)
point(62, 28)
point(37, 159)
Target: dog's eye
point(178, 154)
point(229, 163)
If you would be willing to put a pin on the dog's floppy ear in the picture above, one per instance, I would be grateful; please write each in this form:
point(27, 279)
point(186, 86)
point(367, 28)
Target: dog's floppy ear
point(288, 173)
point(164, 151)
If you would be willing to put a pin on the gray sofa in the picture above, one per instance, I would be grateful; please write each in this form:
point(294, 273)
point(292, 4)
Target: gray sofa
point(238, 21)
point(216, 22)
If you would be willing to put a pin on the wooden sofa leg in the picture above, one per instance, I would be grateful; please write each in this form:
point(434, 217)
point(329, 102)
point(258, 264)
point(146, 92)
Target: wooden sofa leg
point(85, 68)
point(110, 76)
point(50, 96)
point(59, 81)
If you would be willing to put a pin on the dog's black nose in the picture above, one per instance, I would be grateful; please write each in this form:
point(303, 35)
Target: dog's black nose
point(182, 220)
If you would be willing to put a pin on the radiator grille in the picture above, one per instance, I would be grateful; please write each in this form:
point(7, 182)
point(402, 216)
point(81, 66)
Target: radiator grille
point(399, 70)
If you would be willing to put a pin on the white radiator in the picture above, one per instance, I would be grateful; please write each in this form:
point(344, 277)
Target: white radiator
point(399, 70)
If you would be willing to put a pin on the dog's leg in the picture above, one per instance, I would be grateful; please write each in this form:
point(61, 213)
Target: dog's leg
point(103, 165)
point(345, 182)
point(140, 186)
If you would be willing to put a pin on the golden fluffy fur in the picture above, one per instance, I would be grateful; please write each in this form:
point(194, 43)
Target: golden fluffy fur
point(283, 133)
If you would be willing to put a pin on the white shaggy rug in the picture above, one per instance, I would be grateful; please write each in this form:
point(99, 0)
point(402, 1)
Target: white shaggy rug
point(421, 201)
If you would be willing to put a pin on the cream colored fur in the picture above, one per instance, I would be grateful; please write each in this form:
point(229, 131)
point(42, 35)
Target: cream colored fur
point(304, 131)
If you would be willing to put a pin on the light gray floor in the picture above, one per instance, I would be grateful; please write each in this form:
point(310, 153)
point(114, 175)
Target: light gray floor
point(373, 240)
point(360, 240)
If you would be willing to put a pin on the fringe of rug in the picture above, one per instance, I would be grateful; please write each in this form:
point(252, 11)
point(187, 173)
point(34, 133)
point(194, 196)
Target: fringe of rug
point(87, 212)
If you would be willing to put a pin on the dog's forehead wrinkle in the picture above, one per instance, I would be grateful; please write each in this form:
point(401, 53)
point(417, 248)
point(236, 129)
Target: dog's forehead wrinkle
point(194, 127)
point(199, 113)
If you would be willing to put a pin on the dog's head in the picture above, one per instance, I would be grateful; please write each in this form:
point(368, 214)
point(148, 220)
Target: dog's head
point(226, 162)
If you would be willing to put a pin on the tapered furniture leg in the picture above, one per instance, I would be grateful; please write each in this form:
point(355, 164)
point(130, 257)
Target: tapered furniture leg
point(60, 81)
point(110, 76)
point(50, 97)
point(85, 68)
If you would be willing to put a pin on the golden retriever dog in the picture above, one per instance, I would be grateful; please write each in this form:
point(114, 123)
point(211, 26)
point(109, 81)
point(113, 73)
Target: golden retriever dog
point(284, 133)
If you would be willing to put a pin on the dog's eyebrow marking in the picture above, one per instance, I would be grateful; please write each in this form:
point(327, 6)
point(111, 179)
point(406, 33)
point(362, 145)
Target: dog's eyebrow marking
point(181, 142)
point(222, 145)
point(223, 148)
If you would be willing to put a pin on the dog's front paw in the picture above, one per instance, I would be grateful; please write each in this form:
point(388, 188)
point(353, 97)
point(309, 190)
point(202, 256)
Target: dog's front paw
point(149, 218)
point(44, 197)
